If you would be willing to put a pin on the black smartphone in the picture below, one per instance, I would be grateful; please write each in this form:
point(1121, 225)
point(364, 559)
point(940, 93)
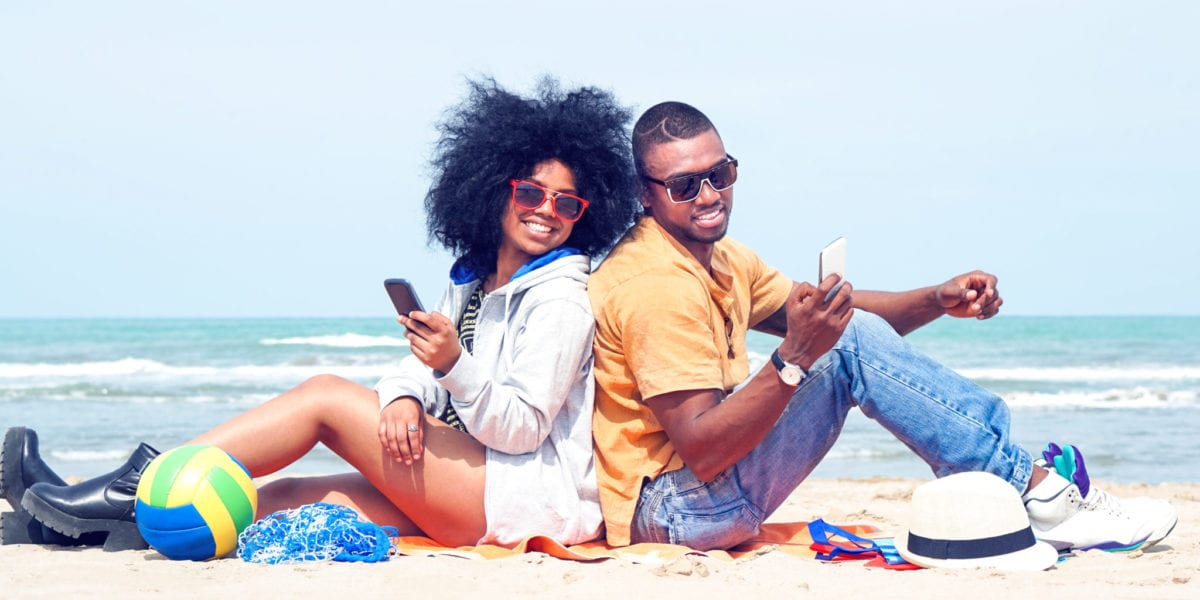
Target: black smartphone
point(403, 296)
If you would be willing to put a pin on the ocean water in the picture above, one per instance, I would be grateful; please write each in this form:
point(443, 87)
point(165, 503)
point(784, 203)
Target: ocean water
point(1123, 389)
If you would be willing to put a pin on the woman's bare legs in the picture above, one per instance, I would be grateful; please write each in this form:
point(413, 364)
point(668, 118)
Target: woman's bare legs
point(441, 494)
point(347, 489)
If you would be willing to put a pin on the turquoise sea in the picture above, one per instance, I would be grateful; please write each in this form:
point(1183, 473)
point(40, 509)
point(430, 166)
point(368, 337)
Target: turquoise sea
point(1126, 390)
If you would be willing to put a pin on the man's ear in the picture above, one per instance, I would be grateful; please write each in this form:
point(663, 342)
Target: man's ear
point(644, 198)
point(645, 204)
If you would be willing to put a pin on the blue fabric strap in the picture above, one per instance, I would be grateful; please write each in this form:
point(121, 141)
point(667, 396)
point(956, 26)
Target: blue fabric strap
point(460, 274)
point(977, 548)
point(820, 531)
point(545, 259)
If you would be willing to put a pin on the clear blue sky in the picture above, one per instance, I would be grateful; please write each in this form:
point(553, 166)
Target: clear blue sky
point(269, 158)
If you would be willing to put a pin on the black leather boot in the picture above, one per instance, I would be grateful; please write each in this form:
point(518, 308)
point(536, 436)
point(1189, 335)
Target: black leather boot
point(20, 467)
point(103, 504)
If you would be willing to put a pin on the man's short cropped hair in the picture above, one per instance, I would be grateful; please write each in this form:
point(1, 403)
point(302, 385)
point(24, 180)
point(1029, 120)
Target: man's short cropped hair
point(663, 123)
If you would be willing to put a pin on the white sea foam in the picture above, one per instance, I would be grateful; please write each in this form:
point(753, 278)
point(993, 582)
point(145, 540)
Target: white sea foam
point(859, 452)
point(757, 360)
point(1086, 374)
point(345, 340)
point(114, 456)
point(125, 366)
point(1122, 398)
point(1164, 373)
point(134, 367)
point(135, 398)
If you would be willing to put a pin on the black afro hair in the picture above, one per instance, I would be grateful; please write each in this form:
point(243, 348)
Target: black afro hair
point(494, 136)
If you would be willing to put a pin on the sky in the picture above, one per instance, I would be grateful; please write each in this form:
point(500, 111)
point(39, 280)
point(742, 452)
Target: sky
point(259, 159)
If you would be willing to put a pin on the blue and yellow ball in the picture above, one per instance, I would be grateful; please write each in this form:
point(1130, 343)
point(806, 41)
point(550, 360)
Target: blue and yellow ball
point(193, 501)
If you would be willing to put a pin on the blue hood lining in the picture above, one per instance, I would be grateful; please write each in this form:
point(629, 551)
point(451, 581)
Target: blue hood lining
point(460, 273)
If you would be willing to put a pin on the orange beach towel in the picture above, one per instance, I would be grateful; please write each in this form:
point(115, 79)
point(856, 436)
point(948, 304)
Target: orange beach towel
point(790, 538)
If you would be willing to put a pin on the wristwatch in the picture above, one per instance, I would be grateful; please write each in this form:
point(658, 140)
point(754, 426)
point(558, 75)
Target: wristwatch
point(790, 374)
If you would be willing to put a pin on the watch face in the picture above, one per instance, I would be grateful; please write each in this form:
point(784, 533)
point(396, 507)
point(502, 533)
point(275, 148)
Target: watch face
point(791, 375)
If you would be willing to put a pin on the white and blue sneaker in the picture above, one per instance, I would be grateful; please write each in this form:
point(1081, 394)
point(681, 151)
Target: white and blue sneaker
point(1069, 513)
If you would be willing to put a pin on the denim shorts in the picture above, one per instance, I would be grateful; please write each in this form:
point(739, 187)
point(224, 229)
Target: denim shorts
point(678, 508)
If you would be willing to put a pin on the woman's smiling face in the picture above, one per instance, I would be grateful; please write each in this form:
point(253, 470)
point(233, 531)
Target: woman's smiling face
point(529, 233)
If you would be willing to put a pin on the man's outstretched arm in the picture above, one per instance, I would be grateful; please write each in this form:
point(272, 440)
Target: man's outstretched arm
point(970, 295)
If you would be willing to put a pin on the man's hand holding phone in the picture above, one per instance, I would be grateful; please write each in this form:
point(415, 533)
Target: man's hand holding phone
point(817, 315)
point(832, 261)
point(814, 324)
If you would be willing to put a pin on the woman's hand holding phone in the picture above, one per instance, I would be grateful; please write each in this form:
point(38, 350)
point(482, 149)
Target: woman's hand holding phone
point(432, 338)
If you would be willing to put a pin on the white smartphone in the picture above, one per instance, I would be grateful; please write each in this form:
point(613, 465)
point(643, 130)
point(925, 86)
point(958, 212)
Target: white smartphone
point(832, 260)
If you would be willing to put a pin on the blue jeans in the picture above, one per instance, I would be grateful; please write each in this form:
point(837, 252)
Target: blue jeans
point(951, 423)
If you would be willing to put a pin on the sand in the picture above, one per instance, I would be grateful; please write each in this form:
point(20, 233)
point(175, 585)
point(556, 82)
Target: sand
point(1169, 570)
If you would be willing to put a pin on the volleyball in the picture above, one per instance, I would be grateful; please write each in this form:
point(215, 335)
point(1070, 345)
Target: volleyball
point(193, 501)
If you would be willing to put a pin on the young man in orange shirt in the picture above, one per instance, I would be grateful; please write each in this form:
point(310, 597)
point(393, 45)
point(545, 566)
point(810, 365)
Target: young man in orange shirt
point(684, 458)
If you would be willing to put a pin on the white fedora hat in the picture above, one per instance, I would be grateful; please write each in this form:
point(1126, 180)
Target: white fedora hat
point(972, 520)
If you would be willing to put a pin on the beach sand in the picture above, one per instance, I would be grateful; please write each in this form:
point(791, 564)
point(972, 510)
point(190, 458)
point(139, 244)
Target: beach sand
point(1169, 570)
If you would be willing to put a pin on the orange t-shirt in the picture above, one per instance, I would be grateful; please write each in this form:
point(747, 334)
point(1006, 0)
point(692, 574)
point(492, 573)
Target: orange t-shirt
point(663, 324)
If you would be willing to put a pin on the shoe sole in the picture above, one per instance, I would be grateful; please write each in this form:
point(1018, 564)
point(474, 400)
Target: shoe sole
point(20, 527)
point(10, 463)
point(1154, 540)
point(16, 528)
point(1149, 542)
point(1064, 547)
point(122, 535)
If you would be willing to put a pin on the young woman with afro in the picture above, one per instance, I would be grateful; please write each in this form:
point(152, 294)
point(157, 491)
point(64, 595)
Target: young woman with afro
point(483, 434)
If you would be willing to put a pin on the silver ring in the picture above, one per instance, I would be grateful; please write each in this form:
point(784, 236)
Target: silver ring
point(413, 428)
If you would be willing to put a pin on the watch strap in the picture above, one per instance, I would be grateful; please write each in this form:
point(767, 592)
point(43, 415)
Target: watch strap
point(777, 360)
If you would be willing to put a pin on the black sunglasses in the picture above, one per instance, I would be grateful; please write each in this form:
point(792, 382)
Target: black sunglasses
point(686, 188)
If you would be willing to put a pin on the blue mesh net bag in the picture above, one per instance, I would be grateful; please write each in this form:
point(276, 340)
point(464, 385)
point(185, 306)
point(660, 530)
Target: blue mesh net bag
point(319, 531)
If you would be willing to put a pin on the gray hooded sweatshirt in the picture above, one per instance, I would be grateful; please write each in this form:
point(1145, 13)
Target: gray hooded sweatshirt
point(526, 393)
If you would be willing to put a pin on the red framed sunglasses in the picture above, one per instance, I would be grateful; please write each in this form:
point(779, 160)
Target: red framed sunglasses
point(531, 196)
